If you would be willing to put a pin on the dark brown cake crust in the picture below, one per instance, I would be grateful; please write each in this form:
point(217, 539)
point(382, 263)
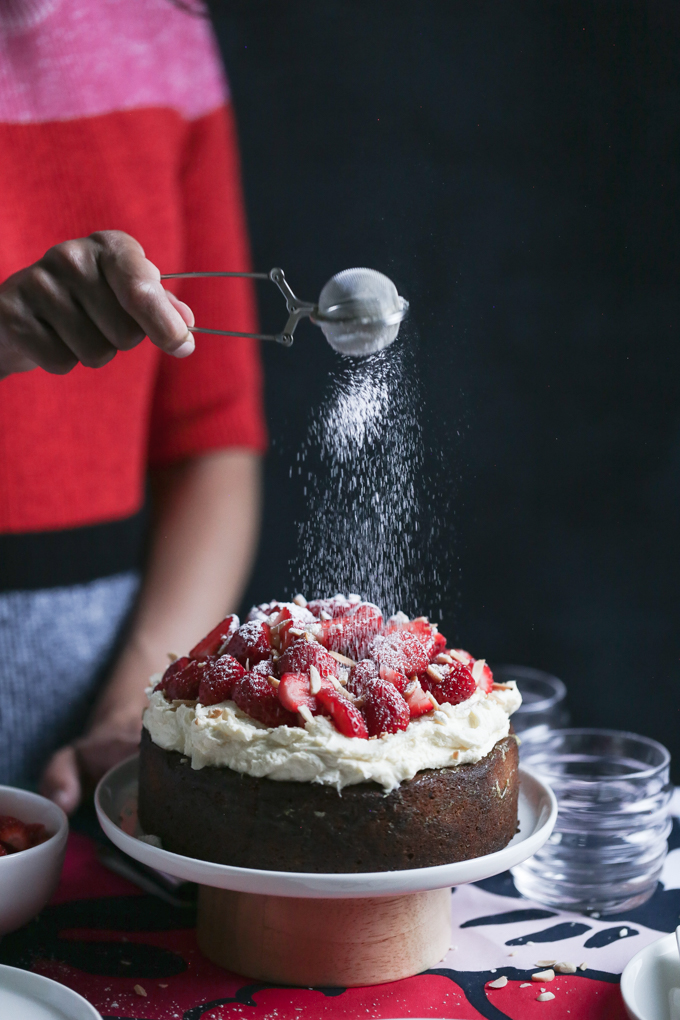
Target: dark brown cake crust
point(439, 816)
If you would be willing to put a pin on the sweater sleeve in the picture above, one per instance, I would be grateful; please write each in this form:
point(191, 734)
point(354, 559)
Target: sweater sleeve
point(213, 399)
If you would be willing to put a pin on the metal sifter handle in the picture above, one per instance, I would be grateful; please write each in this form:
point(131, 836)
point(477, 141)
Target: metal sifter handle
point(297, 309)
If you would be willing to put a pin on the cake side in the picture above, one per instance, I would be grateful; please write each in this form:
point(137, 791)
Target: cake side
point(438, 817)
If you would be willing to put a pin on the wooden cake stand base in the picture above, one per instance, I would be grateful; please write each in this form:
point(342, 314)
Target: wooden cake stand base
point(316, 942)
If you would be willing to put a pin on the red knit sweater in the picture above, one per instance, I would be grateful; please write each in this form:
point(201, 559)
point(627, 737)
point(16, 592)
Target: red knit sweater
point(114, 115)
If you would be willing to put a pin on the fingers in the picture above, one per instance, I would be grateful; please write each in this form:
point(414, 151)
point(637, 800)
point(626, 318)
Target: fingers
point(61, 782)
point(136, 283)
point(85, 300)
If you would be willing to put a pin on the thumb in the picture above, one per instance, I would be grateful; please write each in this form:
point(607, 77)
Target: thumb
point(60, 781)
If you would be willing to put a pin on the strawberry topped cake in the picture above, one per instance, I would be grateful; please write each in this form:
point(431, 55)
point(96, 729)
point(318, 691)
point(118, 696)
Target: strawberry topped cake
point(320, 737)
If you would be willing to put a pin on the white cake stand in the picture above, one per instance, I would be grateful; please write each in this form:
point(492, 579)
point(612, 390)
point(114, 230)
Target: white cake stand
point(322, 929)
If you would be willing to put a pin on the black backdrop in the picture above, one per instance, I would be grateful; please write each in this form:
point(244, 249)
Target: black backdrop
point(514, 168)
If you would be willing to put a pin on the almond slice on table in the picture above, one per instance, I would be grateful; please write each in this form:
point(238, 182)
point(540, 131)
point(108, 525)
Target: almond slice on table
point(500, 982)
point(565, 968)
point(543, 975)
point(545, 997)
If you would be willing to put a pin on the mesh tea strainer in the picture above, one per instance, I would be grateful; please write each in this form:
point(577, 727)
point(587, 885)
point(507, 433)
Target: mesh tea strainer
point(359, 310)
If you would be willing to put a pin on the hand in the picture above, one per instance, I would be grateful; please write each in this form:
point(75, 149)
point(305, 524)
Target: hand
point(74, 771)
point(84, 301)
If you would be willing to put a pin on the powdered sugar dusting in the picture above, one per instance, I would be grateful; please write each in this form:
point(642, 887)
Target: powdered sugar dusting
point(365, 487)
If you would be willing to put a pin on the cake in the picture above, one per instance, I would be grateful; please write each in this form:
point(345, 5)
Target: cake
point(319, 737)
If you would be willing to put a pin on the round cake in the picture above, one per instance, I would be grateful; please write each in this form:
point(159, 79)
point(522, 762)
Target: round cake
point(318, 737)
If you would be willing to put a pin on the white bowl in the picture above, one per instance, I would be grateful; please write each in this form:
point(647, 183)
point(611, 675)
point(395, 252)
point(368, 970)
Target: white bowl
point(649, 977)
point(28, 878)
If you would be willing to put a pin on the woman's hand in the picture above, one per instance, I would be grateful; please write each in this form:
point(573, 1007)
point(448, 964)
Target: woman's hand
point(84, 301)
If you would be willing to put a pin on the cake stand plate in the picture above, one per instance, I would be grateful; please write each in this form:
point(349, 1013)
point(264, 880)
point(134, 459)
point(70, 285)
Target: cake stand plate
point(322, 929)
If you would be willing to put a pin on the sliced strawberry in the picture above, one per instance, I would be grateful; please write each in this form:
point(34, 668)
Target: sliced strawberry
point(456, 684)
point(265, 668)
point(417, 700)
point(218, 679)
point(426, 632)
point(182, 683)
point(302, 654)
point(13, 833)
point(360, 675)
point(290, 618)
point(385, 710)
point(251, 643)
point(255, 696)
point(330, 609)
point(174, 667)
point(352, 633)
point(400, 650)
point(218, 636)
point(482, 675)
point(294, 694)
point(392, 676)
point(347, 719)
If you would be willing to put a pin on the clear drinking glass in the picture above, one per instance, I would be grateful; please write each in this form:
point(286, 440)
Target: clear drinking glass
point(609, 843)
point(543, 697)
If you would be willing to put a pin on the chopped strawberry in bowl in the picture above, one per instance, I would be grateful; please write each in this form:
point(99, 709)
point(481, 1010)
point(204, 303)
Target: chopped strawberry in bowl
point(33, 833)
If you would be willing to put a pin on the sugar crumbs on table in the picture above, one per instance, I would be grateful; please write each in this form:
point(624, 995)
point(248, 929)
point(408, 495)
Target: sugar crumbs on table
point(140, 990)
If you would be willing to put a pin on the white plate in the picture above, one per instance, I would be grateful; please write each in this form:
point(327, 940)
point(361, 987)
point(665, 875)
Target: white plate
point(649, 977)
point(28, 996)
point(116, 799)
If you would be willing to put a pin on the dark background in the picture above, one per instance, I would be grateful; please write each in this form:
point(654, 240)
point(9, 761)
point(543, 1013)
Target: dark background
point(514, 168)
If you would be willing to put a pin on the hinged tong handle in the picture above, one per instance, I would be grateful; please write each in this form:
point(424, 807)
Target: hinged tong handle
point(298, 309)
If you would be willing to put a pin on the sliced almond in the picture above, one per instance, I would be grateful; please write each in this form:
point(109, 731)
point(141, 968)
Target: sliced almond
point(434, 674)
point(583, 966)
point(526, 984)
point(323, 615)
point(314, 680)
point(305, 713)
point(309, 636)
point(433, 699)
point(411, 687)
point(296, 632)
point(173, 656)
point(273, 681)
point(545, 963)
point(500, 982)
point(545, 997)
point(501, 687)
point(443, 659)
point(478, 669)
point(300, 600)
point(343, 659)
point(140, 990)
point(565, 968)
point(543, 975)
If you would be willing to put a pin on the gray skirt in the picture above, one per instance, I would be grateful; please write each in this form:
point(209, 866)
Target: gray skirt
point(56, 648)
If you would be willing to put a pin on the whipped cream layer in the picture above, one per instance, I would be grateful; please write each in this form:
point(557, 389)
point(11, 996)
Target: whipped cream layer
point(224, 736)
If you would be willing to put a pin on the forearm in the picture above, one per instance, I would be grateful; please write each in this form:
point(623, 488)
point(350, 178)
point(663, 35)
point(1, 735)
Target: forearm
point(206, 521)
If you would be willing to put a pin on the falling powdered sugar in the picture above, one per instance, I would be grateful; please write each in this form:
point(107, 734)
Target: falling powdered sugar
point(364, 466)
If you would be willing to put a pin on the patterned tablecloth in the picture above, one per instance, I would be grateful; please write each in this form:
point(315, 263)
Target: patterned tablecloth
point(134, 956)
